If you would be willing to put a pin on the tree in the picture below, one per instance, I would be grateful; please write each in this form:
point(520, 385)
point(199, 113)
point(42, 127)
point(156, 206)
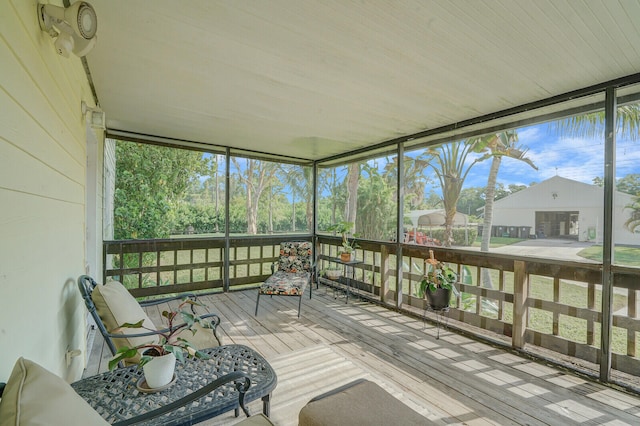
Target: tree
point(630, 184)
point(627, 125)
point(351, 206)
point(256, 176)
point(471, 200)
point(449, 162)
point(216, 185)
point(150, 182)
point(432, 201)
point(327, 183)
point(415, 180)
point(299, 178)
point(633, 223)
point(496, 146)
point(592, 124)
point(513, 188)
point(377, 205)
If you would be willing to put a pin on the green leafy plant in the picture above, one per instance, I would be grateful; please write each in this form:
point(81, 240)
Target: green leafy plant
point(169, 341)
point(330, 267)
point(436, 275)
point(344, 228)
point(332, 272)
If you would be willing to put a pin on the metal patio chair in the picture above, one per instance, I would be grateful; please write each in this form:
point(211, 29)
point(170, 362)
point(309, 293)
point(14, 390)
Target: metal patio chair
point(294, 273)
point(111, 305)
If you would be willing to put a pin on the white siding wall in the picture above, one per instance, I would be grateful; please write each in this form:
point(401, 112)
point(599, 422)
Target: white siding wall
point(519, 209)
point(589, 217)
point(42, 195)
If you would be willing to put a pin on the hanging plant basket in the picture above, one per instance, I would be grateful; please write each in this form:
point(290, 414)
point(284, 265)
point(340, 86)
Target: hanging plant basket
point(437, 284)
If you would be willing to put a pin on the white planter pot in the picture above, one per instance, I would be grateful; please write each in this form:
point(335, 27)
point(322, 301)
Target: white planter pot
point(333, 274)
point(159, 371)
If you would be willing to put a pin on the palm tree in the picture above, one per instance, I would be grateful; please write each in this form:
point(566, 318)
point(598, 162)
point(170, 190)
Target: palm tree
point(376, 203)
point(592, 124)
point(496, 146)
point(449, 162)
point(414, 179)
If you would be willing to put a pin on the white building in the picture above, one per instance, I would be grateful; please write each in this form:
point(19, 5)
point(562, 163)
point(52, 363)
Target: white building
point(564, 208)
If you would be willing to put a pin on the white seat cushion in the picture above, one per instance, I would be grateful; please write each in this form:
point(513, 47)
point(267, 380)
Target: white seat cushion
point(34, 396)
point(116, 305)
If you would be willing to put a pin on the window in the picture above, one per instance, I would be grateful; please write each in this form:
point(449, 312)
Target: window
point(269, 198)
point(626, 212)
point(161, 192)
point(362, 192)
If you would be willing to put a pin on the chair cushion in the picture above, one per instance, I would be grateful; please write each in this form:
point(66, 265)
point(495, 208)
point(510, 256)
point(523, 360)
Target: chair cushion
point(35, 396)
point(295, 256)
point(203, 338)
point(115, 306)
point(286, 283)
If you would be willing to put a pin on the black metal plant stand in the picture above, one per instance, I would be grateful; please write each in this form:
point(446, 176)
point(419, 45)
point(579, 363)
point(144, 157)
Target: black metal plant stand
point(440, 313)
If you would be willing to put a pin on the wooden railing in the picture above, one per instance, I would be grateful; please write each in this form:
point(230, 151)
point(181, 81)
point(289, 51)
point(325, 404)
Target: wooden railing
point(157, 267)
point(552, 304)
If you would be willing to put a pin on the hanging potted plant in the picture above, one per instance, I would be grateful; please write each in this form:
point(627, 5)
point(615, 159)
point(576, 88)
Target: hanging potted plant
point(348, 250)
point(158, 358)
point(437, 283)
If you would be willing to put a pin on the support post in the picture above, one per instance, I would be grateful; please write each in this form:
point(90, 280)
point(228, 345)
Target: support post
point(227, 198)
point(400, 226)
point(520, 308)
point(384, 274)
point(607, 242)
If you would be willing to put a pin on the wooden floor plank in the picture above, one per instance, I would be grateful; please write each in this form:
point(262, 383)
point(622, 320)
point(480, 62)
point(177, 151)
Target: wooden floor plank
point(381, 343)
point(450, 380)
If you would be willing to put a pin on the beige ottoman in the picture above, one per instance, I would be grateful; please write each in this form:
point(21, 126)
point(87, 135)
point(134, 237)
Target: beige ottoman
point(358, 403)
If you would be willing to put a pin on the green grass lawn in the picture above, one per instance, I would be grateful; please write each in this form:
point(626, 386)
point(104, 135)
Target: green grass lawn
point(622, 255)
point(497, 241)
point(571, 294)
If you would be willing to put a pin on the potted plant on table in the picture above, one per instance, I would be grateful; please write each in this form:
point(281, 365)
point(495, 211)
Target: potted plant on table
point(159, 357)
point(332, 272)
point(437, 283)
point(348, 246)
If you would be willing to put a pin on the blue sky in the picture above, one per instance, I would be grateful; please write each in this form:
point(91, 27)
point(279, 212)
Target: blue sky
point(577, 158)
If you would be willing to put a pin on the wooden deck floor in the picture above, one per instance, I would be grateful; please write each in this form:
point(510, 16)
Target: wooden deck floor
point(451, 380)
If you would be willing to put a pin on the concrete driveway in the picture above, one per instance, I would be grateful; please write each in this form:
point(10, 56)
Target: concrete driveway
point(547, 248)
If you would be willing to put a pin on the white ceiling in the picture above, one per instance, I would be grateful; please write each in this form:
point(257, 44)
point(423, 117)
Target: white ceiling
point(310, 79)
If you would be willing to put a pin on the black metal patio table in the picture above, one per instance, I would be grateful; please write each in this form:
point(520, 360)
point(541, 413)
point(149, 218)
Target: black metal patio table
point(116, 397)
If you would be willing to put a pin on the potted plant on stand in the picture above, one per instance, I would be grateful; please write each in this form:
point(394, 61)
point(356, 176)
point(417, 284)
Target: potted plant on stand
point(332, 272)
point(437, 283)
point(348, 251)
point(159, 357)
